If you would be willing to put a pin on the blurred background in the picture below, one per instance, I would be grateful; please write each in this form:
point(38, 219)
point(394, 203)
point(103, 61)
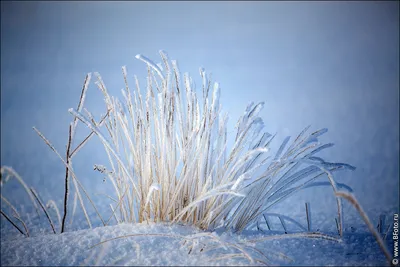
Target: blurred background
point(324, 64)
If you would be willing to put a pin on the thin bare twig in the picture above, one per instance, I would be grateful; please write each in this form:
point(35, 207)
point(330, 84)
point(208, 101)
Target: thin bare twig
point(66, 192)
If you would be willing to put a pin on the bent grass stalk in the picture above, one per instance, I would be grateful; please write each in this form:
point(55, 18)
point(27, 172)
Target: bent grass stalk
point(53, 205)
point(349, 197)
point(44, 209)
point(16, 215)
point(13, 224)
point(14, 174)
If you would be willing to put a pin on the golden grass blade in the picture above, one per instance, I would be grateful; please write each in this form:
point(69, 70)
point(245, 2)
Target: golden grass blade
point(119, 202)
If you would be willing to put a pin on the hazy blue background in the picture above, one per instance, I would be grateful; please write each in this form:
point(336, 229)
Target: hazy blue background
point(328, 64)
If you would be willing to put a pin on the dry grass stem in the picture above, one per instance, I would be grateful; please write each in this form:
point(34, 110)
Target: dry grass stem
point(21, 181)
point(13, 224)
point(44, 209)
point(16, 216)
point(349, 197)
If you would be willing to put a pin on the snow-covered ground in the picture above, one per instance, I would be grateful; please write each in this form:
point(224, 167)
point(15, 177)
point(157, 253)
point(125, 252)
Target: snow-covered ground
point(163, 244)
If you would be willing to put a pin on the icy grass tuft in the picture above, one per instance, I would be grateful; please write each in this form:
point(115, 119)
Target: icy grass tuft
point(169, 161)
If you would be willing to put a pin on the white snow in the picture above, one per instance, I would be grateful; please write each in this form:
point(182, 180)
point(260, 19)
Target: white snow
point(162, 244)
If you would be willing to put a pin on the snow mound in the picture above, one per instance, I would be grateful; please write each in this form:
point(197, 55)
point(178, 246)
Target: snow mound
point(164, 244)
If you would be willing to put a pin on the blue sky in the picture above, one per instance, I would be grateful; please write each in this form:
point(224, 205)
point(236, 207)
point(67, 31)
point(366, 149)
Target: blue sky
point(328, 64)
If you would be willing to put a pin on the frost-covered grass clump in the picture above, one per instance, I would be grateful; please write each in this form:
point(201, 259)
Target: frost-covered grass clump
point(169, 160)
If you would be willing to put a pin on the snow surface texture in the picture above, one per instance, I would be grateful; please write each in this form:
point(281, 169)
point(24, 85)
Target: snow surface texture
point(72, 248)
